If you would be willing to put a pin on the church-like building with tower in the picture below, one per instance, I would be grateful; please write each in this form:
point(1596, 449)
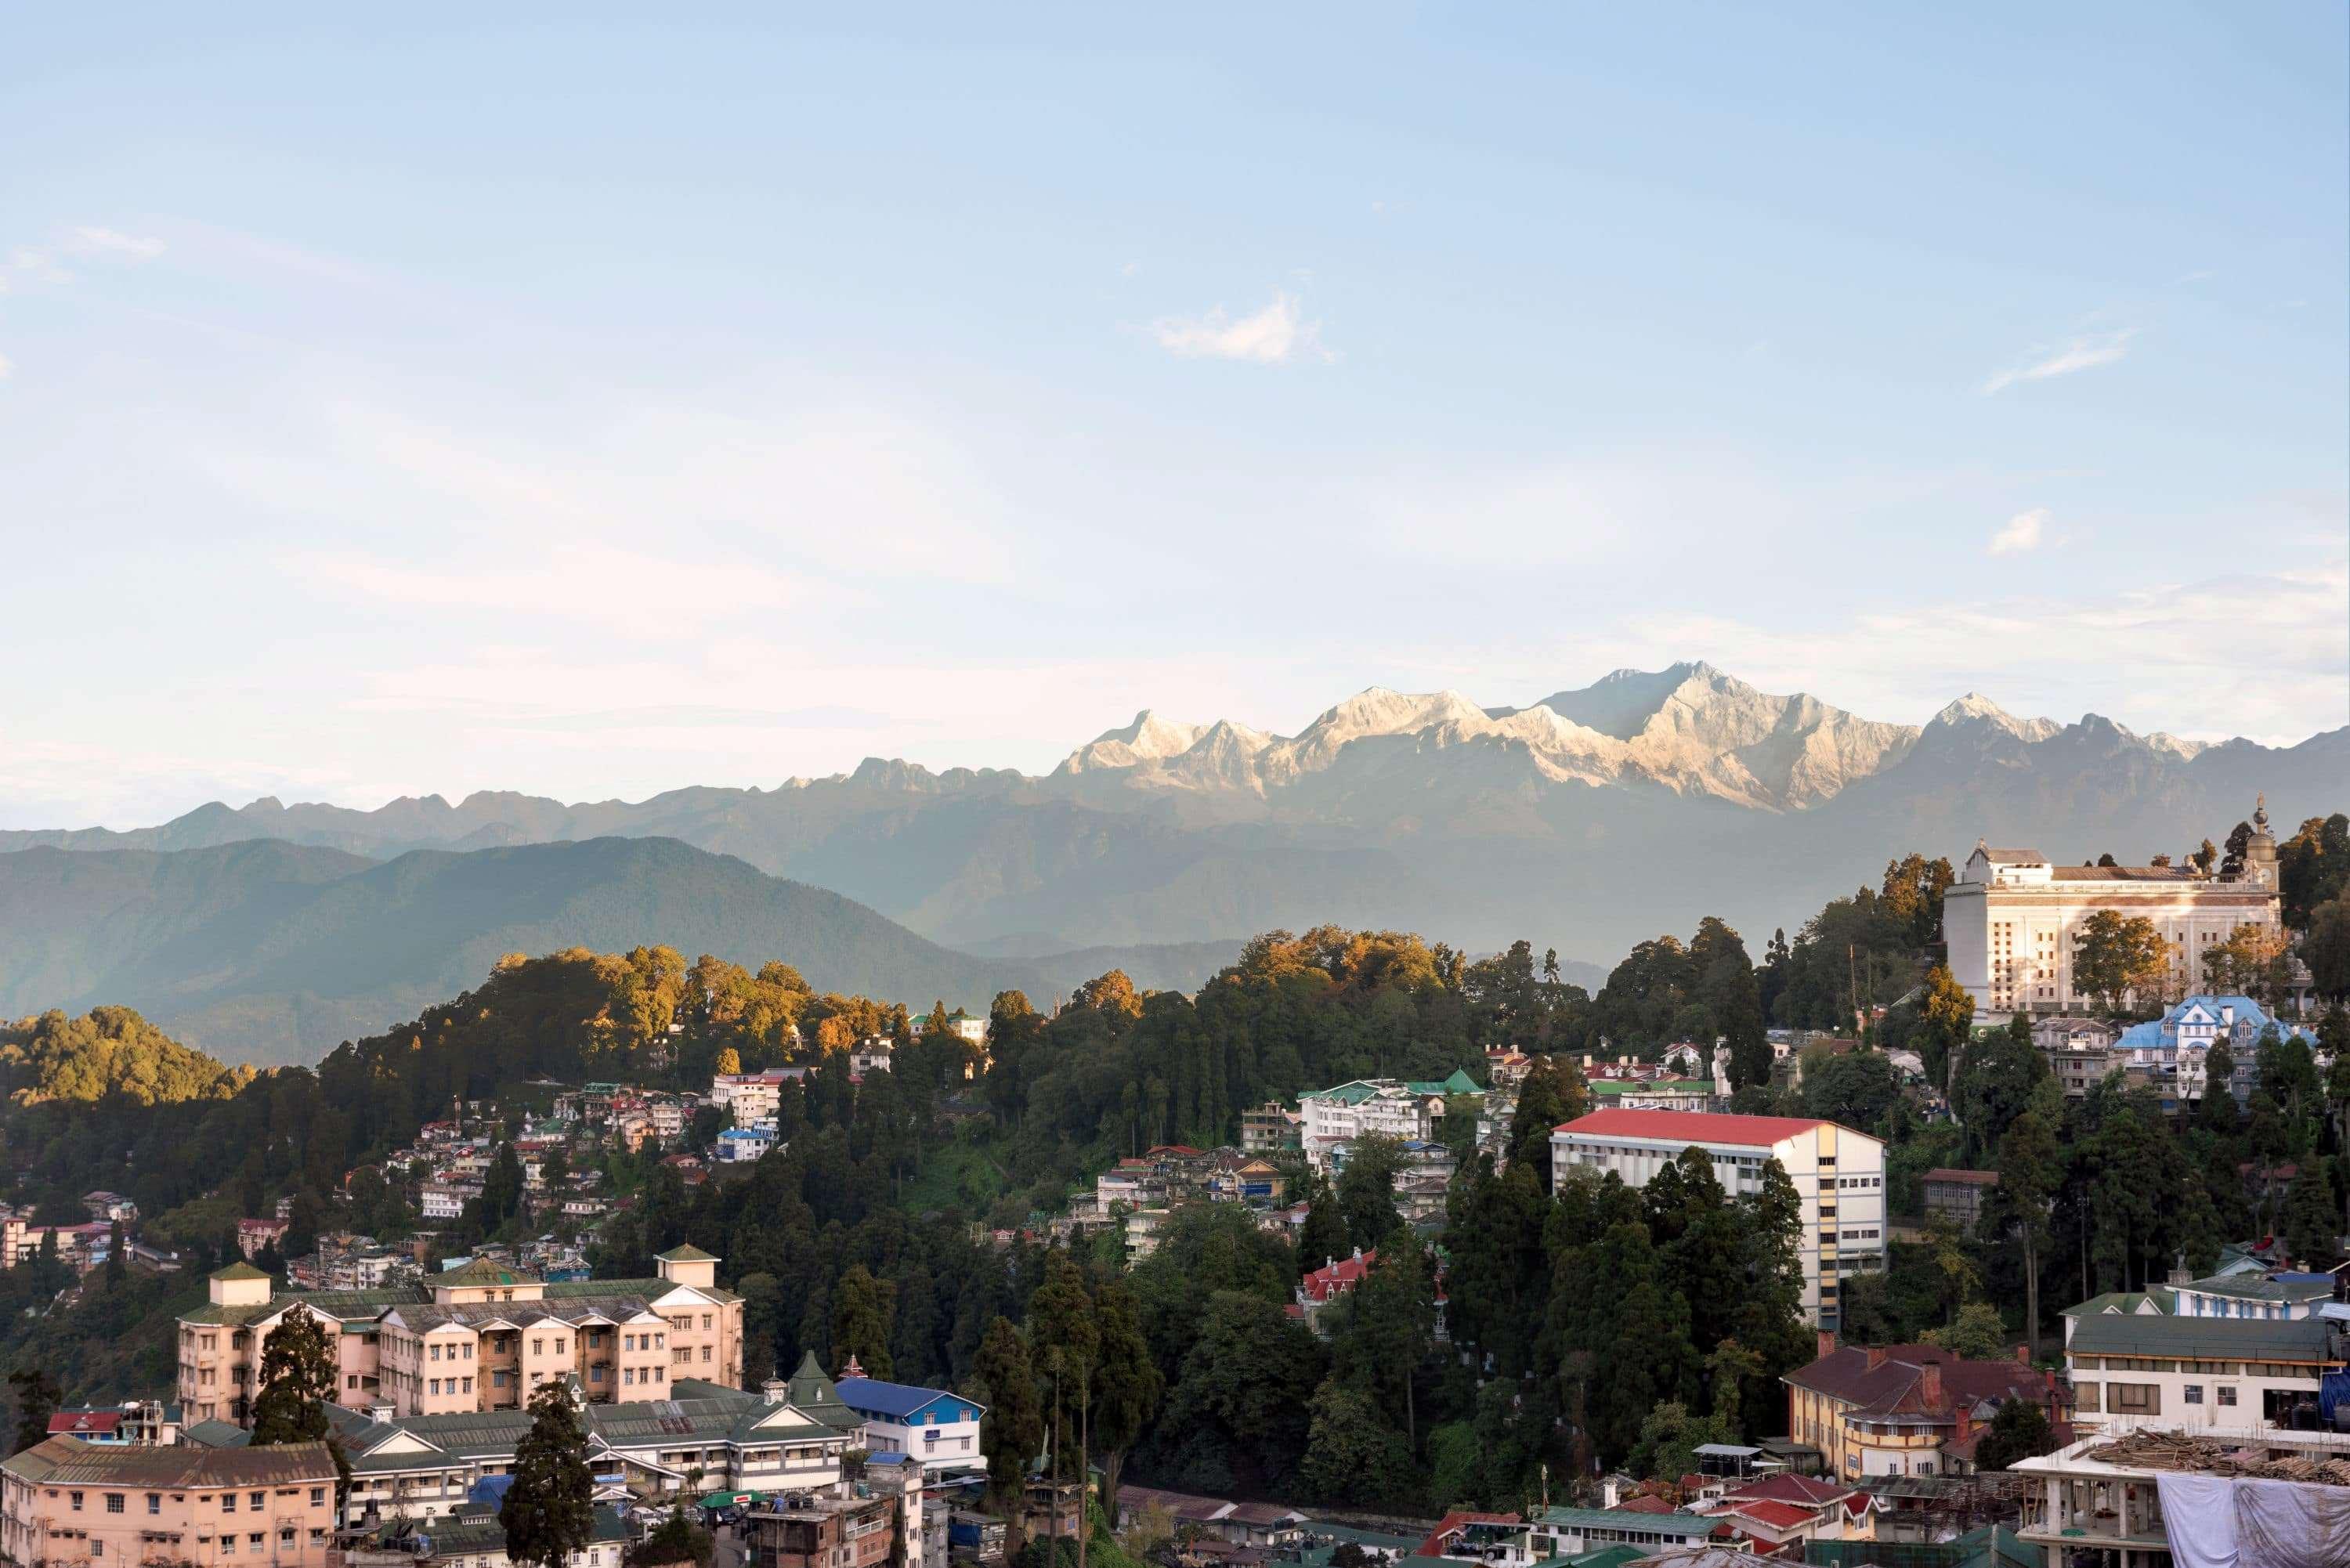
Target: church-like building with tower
point(2012, 917)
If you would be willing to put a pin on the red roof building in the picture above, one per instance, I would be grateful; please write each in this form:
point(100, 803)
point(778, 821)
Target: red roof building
point(1692, 1126)
point(1906, 1409)
point(1453, 1526)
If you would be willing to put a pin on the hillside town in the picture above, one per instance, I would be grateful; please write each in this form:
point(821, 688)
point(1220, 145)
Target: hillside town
point(428, 1357)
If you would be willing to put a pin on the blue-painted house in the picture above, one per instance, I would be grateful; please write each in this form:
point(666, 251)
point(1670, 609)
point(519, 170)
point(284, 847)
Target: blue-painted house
point(937, 1426)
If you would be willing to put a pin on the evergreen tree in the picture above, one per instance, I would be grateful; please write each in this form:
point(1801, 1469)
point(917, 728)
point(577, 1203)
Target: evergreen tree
point(1366, 1190)
point(2216, 1111)
point(1322, 1239)
point(116, 1265)
point(549, 1512)
point(1354, 1458)
point(862, 1308)
point(37, 1397)
point(2031, 1169)
point(1065, 1343)
point(1553, 1092)
point(1013, 1432)
point(1387, 1326)
point(2019, 1431)
point(2312, 1222)
point(296, 1382)
point(1125, 1387)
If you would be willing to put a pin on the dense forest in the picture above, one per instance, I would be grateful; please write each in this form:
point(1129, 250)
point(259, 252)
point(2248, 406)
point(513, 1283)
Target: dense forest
point(867, 1232)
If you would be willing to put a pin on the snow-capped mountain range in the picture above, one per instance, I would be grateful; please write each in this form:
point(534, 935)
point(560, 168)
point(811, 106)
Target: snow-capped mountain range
point(1590, 819)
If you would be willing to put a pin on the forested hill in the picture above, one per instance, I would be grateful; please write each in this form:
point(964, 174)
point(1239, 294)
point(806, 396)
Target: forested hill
point(268, 951)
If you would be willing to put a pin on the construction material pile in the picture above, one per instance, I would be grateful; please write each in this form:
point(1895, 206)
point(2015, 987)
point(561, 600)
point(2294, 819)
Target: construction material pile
point(2213, 1456)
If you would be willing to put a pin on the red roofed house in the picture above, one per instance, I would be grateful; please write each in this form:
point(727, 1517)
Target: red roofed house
point(1906, 1409)
point(1777, 1515)
point(1328, 1284)
point(1446, 1540)
point(1838, 1176)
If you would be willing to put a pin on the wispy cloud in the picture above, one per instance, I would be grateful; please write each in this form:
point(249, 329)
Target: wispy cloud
point(2024, 531)
point(2084, 352)
point(90, 240)
point(7, 365)
point(1273, 335)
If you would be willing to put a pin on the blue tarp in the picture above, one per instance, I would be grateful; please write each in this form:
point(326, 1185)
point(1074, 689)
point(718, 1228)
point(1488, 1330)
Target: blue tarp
point(2333, 1393)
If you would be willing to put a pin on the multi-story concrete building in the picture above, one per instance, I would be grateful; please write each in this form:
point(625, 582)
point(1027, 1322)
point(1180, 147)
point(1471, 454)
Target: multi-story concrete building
point(1838, 1175)
point(479, 1337)
point(2013, 916)
point(2131, 1368)
point(67, 1502)
point(753, 1099)
point(1386, 1107)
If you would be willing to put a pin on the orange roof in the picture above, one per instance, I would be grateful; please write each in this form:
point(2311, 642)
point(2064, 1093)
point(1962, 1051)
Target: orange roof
point(1692, 1126)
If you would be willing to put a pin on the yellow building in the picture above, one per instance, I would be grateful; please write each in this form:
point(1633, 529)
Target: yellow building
point(480, 1338)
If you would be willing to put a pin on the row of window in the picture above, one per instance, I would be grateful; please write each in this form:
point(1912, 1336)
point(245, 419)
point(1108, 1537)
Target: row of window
point(256, 1501)
point(255, 1541)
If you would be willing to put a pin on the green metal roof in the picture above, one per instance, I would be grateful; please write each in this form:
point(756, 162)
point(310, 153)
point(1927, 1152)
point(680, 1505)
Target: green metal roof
point(688, 1254)
point(237, 1271)
point(2259, 1288)
point(2203, 1338)
point(2123, 1301)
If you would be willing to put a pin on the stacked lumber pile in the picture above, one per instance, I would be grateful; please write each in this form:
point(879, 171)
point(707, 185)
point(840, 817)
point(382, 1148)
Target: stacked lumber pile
point(2154, 1450)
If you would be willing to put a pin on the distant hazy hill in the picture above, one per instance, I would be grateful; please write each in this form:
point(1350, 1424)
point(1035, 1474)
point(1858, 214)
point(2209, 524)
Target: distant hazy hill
point(268, 951)
point(1587, 821)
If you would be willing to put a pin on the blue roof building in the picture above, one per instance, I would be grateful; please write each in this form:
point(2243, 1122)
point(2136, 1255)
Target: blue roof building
point(935, 1426)
point(2172, 1049)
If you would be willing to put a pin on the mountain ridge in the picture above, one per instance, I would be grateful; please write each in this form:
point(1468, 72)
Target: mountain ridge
point(1589, 820)
point(268, 950)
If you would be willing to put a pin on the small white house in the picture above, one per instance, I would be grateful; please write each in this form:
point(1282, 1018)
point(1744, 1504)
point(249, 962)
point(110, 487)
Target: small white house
point(740, 1145)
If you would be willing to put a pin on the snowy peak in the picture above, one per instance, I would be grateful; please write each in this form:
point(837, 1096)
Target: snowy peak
point(1149, 737)
point(1976, 709)
point(1691, 728)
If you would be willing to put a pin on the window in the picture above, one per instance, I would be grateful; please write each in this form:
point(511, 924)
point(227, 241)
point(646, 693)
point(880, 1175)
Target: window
point(2195, 1393)
point(155, 1502)
point(228, 1502)
point(228, 1546)
point(75, 1497)
point(2226, 1394)
point(537, 1347)
point(317, 1496)
point(350, 1380)
point(436, 1352)
point(255, 1502)
point(2136, 1398)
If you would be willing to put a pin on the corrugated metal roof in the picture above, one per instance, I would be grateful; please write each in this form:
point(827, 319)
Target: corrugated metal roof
point(2203, 1338)
point(69, 1461)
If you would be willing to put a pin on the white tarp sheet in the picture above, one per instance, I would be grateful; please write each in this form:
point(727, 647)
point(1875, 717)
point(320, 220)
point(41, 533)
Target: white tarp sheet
point(2216, 1523)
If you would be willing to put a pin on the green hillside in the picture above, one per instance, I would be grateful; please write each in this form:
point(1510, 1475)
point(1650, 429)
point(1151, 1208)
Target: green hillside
point(266, 952)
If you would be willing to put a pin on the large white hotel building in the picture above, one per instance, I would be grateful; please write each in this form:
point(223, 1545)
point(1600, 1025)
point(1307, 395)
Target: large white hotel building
point(2012, 917)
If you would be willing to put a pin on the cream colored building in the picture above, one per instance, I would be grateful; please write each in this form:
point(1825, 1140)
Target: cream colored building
point(2013, 916)
point(480, 1338)
point(67, 1502)
point(1839, 1174)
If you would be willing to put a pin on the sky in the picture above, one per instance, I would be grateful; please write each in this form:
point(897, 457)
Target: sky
point(599, 405)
